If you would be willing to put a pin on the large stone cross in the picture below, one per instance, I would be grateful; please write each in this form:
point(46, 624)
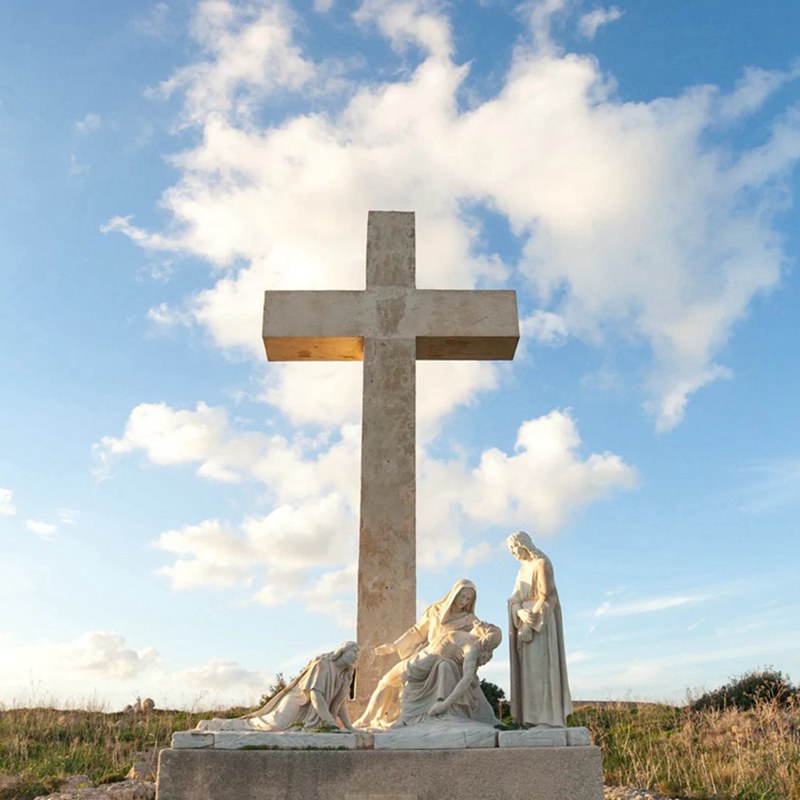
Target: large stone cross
point(389, 326)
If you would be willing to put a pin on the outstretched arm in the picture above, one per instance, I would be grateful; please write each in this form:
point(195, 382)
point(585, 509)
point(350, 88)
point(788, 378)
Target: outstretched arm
point(320, 705)
point(405, 644)
point(344, 717)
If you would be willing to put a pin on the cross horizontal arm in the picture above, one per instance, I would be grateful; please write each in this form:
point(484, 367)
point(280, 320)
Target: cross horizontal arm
point(314, 325)
point(445, 323)
point(471, 324)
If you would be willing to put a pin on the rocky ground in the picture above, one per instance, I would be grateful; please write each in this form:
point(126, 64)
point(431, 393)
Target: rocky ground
point(79, 788)
point(630, 793)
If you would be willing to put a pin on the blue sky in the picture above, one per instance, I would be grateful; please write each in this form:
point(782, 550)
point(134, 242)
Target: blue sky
point(179, 516)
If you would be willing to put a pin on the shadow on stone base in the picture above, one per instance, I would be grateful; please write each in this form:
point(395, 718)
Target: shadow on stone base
point(530, 773)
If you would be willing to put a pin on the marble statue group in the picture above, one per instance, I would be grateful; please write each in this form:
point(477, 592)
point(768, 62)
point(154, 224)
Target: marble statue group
point(435, 678)
point(410, 683)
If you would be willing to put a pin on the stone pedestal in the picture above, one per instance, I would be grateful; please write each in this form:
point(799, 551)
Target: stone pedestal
point(511, 773)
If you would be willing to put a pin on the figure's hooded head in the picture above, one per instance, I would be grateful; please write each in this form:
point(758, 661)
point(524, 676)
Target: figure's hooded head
point(460, 599)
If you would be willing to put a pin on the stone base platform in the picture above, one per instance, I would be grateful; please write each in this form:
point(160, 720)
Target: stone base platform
point(500, 773)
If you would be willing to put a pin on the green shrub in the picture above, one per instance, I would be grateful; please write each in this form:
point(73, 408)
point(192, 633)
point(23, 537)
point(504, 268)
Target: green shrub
point(744, 692)
point(278, 685)
point(495, 695)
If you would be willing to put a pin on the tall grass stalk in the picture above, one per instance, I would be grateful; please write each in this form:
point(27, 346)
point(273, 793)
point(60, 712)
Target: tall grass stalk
point(40, 747)
point(703, 755)
point(710, 754)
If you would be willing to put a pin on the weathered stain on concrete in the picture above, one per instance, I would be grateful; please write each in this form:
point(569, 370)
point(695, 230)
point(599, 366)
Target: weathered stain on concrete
point(537, 773)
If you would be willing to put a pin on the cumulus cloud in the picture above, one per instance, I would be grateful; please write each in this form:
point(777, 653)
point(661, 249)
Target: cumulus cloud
point(97, 653)
point(284, 546)
point(224, 676)
point(539, 485)
point(7, 507)
point(543, 327)
point(178, 437)
point(590, 23)
point(311, 533)
point(278, 555)
point(44, 529)
point(88, 124)
point(636, 223)
point(639, 224)
point(409, 22)
point(105, 653)
point(63, 669)
point(248, 53)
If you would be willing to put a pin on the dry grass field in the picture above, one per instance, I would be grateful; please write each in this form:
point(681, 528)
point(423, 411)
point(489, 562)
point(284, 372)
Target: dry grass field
point(727, 754)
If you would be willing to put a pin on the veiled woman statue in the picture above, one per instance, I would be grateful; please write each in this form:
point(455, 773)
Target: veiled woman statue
point(539, 686)
point(314, 699)
point(454, 612)
point(441, 680)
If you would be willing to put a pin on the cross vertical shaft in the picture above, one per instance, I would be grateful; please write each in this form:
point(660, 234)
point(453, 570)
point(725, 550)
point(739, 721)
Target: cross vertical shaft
point(387, 543)
point(390, 325)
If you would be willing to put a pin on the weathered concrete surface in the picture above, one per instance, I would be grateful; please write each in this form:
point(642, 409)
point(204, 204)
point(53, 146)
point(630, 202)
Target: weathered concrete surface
point(539, 773)
point(387, 558)
point(439, 736)
point(534, 737)
point(328, 325)
point(389, 326)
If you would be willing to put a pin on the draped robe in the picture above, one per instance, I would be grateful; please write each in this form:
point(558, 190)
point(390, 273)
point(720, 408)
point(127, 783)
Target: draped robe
point(539, 686)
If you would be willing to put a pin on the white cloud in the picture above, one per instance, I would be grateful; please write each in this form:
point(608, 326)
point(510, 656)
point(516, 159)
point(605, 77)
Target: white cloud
point(477, 553)
point(88, 124)
point(44, 529)
point(542, 14)
point(647, 605)
point(67, 516)
point(154, 22)
point(776, 486)
point(224, 676)
point(405, 22)
point(250, 53)
point(577, 656)
point(178, 437)
point(753, 89)
point(544, 327)
point(102, 654)
point(443, 385)
point(297, 391)
point(294, 471)
point(590, 23)
point(100, 664)
point(313, 488)
point(7, 507)
point(538, 486)
point(636, 225)
point(208, 555)
point(278, 555)
point(165, 315)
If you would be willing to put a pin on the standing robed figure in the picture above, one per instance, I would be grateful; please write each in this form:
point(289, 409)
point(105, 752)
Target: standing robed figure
point(539, 686)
